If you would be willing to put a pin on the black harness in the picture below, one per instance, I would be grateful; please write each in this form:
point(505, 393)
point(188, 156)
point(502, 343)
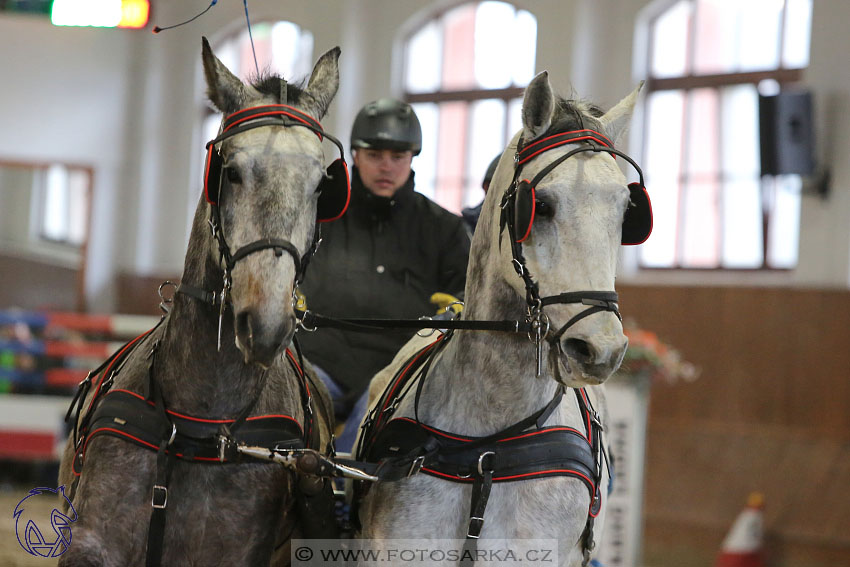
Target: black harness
point(144, 420)
point(401, 447)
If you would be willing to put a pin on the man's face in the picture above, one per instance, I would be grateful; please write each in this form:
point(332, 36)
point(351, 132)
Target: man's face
point(383, 172)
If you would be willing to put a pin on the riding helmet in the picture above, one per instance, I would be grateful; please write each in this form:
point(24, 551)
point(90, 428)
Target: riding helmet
point(387, 124)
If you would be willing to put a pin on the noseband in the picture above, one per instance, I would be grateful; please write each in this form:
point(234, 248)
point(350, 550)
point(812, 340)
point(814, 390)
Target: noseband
point(597, 301)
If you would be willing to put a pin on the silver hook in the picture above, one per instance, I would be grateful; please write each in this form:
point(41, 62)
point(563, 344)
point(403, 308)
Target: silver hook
point(165, 302)
point(428, 332)
point(225, 292)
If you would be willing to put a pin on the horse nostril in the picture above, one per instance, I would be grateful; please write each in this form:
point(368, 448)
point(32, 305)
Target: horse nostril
point(244, 329)
point(579, 350)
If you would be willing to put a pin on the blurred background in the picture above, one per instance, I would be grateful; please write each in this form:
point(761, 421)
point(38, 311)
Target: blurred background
point(738, 305)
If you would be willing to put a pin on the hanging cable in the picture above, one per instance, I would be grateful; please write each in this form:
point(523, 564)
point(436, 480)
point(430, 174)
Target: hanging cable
point(251, 37)
point(158, 29)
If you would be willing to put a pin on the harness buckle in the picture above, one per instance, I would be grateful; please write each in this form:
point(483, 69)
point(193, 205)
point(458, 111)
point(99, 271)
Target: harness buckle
point(416, 465)
point(304, 326)
point(594, 417)
point(475, 526)
point(224, 442)
point(390, 409)
point(481, 458)
point(519, 267)
point(159, 497)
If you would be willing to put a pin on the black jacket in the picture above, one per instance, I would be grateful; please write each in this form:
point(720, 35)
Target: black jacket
point(383, 259)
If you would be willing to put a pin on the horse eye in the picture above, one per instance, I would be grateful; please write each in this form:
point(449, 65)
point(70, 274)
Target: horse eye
point(233, 175)
point(543, 209)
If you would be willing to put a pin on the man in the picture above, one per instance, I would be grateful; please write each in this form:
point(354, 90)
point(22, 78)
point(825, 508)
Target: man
point(385, 258)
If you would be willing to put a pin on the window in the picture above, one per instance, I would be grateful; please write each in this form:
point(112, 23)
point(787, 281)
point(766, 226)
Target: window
point(62, 204)
point(465, 83)
point(46, 210)
point(707, 62)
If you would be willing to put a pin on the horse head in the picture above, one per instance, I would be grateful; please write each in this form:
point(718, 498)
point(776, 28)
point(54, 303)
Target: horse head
point(263, 178)
point(566, 198)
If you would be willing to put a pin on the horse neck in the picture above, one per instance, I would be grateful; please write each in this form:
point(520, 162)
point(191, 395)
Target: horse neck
point(194, 374)
point(485, 381)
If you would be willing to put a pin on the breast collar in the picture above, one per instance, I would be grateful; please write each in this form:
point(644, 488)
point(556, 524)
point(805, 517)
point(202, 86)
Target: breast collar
point(403, 446)
point(144, 420)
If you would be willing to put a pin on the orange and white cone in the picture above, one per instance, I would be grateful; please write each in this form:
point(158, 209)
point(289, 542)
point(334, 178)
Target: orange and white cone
point(743, 544)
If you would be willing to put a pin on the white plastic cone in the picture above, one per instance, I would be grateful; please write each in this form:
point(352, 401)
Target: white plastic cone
point(743, 544)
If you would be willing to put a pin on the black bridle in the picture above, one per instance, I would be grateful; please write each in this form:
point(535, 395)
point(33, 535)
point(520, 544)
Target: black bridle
point(597, 301)
point(238, 123)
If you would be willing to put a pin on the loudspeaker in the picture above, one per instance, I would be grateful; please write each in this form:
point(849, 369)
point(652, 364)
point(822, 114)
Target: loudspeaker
point(786, 132)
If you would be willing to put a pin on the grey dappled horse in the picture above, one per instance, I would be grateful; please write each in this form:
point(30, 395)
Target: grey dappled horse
point(239, 513)
point(483, 382)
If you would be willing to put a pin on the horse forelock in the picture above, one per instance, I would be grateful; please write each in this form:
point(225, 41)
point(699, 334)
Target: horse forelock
point(268, 84)
point(574, 114)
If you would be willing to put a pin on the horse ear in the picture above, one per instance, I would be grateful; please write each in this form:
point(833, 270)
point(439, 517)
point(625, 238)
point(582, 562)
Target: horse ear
point(615, 122)
point(324, 81)
point(538, 104)
point(224, 89)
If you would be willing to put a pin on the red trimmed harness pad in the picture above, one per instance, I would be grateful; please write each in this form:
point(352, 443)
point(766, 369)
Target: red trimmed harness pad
point(127, 415)
point(540, 453)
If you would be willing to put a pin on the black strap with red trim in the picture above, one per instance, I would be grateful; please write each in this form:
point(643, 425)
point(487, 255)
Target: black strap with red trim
point(129, 416)
point(132, 417)
point(550, 451)
point(525, 450)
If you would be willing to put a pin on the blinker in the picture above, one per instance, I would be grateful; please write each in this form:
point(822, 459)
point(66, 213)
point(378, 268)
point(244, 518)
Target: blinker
point(524, 207)
point(637, 222)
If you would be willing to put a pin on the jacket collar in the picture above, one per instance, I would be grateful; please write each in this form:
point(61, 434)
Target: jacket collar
point(366, 204)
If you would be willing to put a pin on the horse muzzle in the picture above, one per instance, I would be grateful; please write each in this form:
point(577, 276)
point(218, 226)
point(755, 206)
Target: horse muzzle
point(592, 361)
point(260, 340)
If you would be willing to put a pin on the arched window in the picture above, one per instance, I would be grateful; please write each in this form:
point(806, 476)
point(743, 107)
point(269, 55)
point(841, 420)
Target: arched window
point(465, 82)
point(707, 62)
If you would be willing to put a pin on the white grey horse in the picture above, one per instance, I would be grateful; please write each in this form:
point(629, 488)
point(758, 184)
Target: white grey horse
point(483, 382)
point(238, 512)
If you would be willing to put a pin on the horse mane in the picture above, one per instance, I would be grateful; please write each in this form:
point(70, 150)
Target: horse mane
point(268, 83)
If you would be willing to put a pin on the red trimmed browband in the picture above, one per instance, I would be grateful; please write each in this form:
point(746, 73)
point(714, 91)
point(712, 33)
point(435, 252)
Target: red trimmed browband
point(556, 140)
point(272, 110)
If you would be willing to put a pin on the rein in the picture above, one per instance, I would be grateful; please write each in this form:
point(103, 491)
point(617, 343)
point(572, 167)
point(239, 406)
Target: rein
point(536, 323)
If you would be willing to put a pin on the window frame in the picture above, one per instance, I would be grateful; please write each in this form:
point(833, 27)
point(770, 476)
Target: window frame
point(782, 76)
point(505, 95)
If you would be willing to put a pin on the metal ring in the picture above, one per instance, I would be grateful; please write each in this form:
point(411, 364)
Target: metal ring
point(481, 458)
point(162, 286)
point(173, 434)
point(165, 302)
point(429, 331)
